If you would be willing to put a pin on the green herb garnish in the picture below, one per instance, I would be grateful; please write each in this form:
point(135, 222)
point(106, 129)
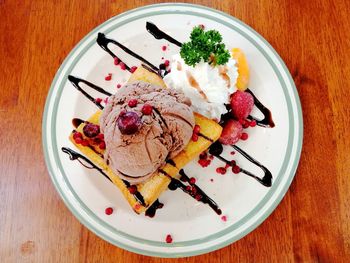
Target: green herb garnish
point(204, 45)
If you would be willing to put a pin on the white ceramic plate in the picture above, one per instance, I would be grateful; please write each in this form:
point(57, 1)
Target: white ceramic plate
point(195, 228)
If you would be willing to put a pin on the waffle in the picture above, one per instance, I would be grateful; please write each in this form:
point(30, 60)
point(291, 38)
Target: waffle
point(150, 190)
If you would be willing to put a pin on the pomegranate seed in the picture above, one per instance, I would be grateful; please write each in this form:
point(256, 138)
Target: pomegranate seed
point(77, 135)
point(147, 109)
point(188, 188)
point(96, 141)
point(192, 180)
point(101, 136)
point(244, 136)
point(98, 100)
point(194, 190)
point(119, 86)
point(132, 189)
point(194, 137)
point(166, 63)
point(108, 77)
point(232, 153)
point(224, 218)
point(236, 169)
point(252, 123)
point(163, 48)
point(227, 166)
point(78, 140)
point(105, 100)
point(85, 143)
point(132, 103)
point(198, 197)
point(233, 163)
point(211, 157)
point(211, 180)
point(162, 57)
point(116, 61)
point(122, 66)
point(204, 163)
point(168, 239)
point(246, 124)
point(203, 155)
point(201, 26)
point(196, 128)
point(221, 170)
point(109, 211)
point(133, 69)
point(169, 70)
point(102, 145)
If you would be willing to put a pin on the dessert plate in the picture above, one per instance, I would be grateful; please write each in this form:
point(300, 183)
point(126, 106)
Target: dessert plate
point(194, 227)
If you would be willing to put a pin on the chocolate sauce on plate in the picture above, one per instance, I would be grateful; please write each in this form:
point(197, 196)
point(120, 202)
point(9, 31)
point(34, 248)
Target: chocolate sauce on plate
point(76, 122)
point(76, 83)
point(159, 34)
point(267, 120)
point(216, 149)
point(103, 42)
point(151, 211)
point(204, 198)
point(73, 155)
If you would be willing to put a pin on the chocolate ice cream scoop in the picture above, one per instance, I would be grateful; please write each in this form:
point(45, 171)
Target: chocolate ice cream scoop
point(165, 128)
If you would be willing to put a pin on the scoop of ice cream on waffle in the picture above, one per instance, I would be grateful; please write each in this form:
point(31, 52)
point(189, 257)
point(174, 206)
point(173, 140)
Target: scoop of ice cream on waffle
point(161, 124)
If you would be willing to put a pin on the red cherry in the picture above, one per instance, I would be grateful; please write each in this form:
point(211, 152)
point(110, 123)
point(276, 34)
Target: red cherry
point(129, 122)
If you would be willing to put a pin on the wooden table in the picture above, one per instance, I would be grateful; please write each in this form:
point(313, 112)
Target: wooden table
point(312, 223)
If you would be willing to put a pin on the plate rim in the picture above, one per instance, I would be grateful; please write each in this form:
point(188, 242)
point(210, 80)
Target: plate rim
point(261, 218)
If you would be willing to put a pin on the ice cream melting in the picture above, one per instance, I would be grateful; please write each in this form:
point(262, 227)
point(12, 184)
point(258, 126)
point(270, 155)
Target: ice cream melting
point(162, 135)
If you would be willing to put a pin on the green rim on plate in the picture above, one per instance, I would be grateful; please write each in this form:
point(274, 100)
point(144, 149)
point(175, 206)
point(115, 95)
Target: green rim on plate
point(171, 10)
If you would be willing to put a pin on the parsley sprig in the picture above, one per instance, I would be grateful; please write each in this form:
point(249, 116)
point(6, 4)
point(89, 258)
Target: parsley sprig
point(204, 45)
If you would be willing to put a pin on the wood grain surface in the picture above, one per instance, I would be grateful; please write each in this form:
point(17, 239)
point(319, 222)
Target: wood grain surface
point(312, 223)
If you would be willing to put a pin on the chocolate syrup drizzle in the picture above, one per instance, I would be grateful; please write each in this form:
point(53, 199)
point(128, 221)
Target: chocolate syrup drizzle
point(159, 34)
point(103, 42)
point(216, 149)
point(138, 196)
point(73, 155)
point(204, 198)
point(151, 211)
point(267, 121)
point(76, 83)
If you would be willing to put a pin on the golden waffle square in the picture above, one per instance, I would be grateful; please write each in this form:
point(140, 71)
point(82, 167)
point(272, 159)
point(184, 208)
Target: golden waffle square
point(148, 191)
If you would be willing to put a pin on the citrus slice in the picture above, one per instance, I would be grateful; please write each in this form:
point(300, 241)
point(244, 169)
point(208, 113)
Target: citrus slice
point(243, 68)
